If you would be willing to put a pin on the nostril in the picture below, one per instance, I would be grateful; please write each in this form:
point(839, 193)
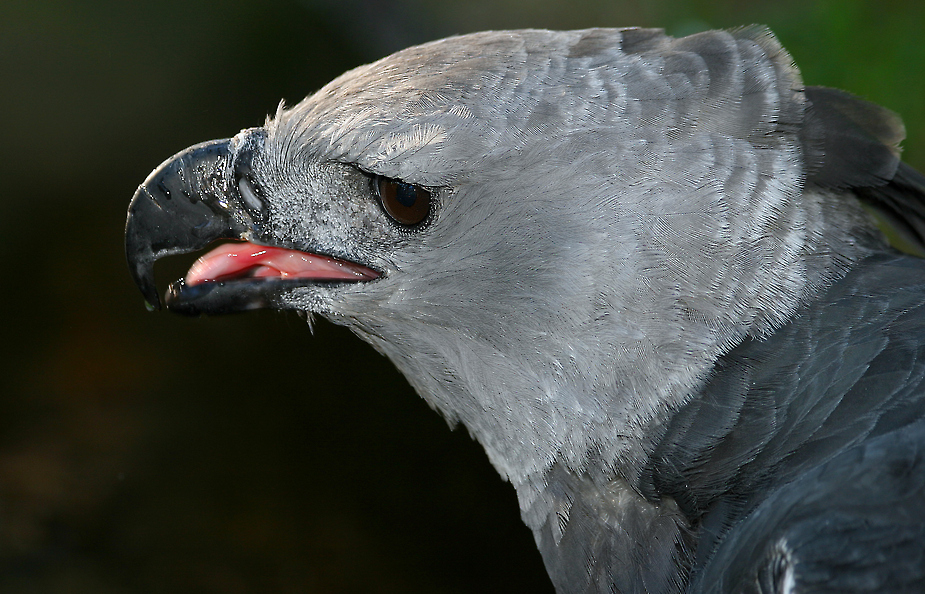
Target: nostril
point(249, 194)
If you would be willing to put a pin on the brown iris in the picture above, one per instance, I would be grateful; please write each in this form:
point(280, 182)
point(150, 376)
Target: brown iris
point(406, 203)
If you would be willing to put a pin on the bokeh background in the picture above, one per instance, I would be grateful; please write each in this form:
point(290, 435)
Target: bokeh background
point(145, 452)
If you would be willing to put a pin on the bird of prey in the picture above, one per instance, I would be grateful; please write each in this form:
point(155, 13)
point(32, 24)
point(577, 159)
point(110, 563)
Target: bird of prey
point(657, 279)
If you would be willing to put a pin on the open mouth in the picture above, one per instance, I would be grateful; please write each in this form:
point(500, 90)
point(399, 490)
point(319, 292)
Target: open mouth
point(241, 275)
point(245, 260)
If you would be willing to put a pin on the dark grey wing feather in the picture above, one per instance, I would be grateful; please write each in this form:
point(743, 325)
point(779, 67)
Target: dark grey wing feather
point(853, 524)
point(849, 143)
point(899, 207)
point(849, 371)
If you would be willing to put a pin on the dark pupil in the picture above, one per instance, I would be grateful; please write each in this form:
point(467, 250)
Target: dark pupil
point(406, 194)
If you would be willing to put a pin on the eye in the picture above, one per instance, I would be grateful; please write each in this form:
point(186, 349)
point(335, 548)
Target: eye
point(406, 203)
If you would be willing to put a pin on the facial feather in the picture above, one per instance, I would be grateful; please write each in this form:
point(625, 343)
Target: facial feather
point(615, 209)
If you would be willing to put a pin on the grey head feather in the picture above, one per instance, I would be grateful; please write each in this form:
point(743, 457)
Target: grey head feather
point(616, 209)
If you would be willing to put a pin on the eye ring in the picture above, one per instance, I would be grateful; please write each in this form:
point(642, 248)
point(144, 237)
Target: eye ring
point(407, 204)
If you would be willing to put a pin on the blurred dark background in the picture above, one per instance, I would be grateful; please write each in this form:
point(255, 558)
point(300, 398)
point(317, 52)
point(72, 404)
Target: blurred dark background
point(145, 452)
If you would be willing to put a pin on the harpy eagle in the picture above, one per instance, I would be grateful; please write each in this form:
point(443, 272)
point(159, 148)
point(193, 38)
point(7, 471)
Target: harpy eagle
point(647, 274)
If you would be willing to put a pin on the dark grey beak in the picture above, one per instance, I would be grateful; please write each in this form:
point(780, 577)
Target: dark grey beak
point(181, 207)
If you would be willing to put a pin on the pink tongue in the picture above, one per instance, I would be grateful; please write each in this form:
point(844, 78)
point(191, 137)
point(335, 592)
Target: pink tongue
point(232, 260)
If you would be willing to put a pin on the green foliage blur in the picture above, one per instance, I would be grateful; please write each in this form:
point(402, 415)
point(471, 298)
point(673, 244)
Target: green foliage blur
point(146, 452)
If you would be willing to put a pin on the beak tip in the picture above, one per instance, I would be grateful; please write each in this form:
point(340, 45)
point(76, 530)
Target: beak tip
point(176, 211)
point(149, 291)
point(142, 269)
point(153, 303)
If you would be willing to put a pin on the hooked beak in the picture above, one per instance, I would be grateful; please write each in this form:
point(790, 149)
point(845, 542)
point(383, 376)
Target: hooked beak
point(201, 195)
point(180, 208)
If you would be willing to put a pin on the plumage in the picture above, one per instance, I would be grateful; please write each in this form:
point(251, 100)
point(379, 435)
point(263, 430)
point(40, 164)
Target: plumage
point(647, 276)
